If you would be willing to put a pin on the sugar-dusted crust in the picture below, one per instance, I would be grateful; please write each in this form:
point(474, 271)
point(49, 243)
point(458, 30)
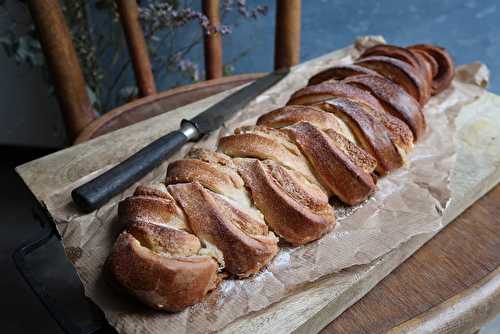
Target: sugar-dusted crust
point(161, 282)
point(399, 133)
point(151, 204)
point(244, 241)
point(211, 157)
point(431, 62)
point(413, 59)
point(266, 143)
point(156, 259)
point(325, 121)
point(330, 90)
point(295, 209)
point(339, 72)
point(342, 175)
point(356, 154)
point(325, 91)
point(391, 51)
point(217, 212)
point(213, 170)
point(401, 73)
point(291, 114)
point(395, 100)
point(445, 70)
point(371, 133)
point(425, 66)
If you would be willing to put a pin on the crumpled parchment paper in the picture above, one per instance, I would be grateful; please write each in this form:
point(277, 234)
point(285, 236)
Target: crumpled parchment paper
point(409, 202)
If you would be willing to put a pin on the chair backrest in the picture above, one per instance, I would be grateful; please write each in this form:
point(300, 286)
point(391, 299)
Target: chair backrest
point(67, 74)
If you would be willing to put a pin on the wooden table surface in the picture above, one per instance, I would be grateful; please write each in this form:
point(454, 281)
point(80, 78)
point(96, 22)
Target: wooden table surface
point(465, 252)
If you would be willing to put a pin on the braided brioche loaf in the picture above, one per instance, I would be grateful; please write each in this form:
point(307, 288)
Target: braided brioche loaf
point(223, 213)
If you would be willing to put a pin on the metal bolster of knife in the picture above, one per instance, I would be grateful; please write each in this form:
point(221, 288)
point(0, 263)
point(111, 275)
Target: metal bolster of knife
point(189, 130)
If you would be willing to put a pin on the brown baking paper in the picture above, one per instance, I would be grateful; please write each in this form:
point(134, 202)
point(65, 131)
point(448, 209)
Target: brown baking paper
point(409, 202)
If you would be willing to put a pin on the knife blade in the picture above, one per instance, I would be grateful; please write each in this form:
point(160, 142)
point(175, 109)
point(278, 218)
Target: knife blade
point(97, 192)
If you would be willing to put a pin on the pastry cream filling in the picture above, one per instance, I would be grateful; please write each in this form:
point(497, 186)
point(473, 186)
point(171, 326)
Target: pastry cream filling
point(311, 99)
point(249, 209)
point(403, 154)
point(235, 195)
point(211, 250)
point(158, 186)
point(179, 224)
point(177, 221)
point(290, 147)
point(346, 131)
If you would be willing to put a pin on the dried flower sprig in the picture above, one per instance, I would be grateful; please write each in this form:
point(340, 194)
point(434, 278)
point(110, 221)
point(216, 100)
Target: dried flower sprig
point(103, 45)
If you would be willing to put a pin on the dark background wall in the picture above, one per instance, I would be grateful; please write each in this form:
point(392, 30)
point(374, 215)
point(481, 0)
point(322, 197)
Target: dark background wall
point(469, 29)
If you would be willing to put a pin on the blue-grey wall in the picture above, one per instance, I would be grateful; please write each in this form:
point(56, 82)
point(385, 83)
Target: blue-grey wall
point(469, 29)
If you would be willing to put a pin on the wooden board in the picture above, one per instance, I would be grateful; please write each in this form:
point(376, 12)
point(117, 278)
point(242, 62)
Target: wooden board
point(317, 304)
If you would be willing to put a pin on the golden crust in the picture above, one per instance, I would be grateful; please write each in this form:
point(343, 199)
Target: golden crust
point(244, 242)
point(153, 190)
point(210, 175)
point(151, 204)
point(416, 61)
point(155, 258)
point(398, 131)
point(391, 51)
point(370, 132)
point(211, 157)
point(446, 68)
point(356, 154)
point(216, 173)
point(265, 143)
point(293, 114)
point(339, 72)
point(165, 239)
point(295, 209)
point(325, 121)
point(330, 90)
point(431, 62)
point(401, 73)
point(337, 170)
point(159, 281)
point(425, 66)
point(329, 139)
point(395, 100)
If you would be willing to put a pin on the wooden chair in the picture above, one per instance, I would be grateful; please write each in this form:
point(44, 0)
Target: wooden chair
point(452, 284)
point(81, 120)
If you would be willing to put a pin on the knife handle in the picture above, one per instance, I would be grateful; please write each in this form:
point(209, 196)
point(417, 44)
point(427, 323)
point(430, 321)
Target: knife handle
point(98, 191)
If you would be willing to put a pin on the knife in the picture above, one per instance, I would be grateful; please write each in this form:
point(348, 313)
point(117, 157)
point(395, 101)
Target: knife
point(97, 192)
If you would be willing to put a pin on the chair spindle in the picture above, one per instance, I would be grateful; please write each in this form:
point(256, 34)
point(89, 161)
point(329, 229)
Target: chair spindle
point(212, 42)
point(129, 17)
point(287, 35)
point(63, 64)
